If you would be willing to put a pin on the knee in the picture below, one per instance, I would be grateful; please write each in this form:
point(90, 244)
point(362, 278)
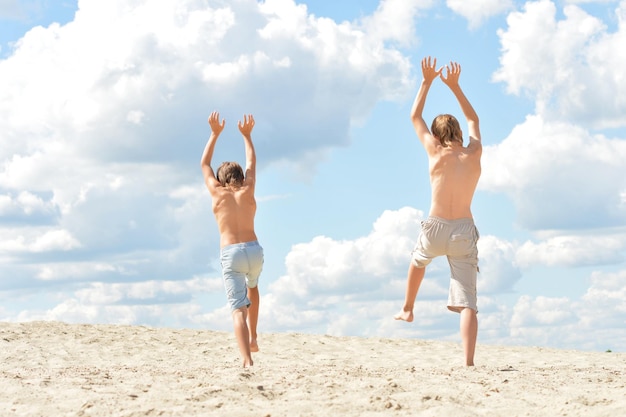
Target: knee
point(468, 312)
point(240, 313)
point(418, 263)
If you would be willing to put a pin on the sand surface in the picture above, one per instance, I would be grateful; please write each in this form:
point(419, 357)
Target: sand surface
point(57, 369)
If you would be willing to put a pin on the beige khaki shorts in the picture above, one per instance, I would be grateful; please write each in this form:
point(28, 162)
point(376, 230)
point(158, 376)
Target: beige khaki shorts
point(456, 239)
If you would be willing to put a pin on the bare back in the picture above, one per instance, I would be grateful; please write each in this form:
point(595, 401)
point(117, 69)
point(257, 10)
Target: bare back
point(454, 174)
point(234, 210)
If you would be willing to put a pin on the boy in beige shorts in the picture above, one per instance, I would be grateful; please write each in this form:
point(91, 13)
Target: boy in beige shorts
point(449, 230)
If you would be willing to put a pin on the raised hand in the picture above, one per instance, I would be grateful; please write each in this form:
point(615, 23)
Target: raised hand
point(453, 72)
point(430, 71)
point(246, 127)
point(214, 122)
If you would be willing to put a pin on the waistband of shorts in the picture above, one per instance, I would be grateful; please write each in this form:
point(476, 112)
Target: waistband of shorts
point(462, 220)
point(241, 245)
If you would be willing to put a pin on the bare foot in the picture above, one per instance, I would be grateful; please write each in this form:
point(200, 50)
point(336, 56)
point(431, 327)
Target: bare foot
point(404, 315)
point(248, 362)
point(254, 346)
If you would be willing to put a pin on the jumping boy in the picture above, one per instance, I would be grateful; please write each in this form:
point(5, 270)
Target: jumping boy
point(449, 230)
point(241, 256)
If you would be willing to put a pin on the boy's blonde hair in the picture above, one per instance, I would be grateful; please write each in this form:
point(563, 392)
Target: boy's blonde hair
point(230, 174)
point(447, 129)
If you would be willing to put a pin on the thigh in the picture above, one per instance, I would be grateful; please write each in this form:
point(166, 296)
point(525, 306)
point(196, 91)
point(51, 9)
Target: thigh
point(463, 242)
point(236, 291)
point(234, 260)
point(431, 243)
point(255, 265)
point(462, 292)
point(463, 260)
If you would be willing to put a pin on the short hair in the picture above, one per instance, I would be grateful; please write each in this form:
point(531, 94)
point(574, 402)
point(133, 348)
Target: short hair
point(447, 129)
point(230, 173)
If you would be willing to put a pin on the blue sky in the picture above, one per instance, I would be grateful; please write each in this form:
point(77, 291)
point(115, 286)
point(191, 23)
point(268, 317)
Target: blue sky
point(104, 217)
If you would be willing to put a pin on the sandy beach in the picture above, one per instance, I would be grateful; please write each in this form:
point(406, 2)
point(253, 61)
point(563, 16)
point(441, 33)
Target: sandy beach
point(57, 369)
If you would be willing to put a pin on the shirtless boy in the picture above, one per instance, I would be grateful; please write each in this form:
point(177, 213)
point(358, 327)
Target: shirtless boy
point(449, 230)
point(241, 256)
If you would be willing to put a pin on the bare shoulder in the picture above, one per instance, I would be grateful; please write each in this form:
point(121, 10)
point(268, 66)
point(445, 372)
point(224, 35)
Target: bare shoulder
point(433, 146)
point(249, 181)
point(219, 192)
point(474, 146)
point(247, 191)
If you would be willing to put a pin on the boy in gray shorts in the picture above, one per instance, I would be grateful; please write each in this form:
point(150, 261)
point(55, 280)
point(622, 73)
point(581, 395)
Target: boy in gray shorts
point(241, 256)
point(449, 230)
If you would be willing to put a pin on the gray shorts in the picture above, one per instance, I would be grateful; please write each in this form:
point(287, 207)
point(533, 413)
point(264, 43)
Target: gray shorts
point(457, 240)
point(241, 266)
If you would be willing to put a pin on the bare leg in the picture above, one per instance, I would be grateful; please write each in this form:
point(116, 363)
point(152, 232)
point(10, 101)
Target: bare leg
point(414, 280)
point(469, 332)
point(242, 335)
point(253, 316)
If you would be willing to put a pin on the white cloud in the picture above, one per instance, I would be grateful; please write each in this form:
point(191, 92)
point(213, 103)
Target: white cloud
point(135, 116)
point(589, 1)
point(567, 66)
point(603, 305)
point(542, 311)
point(569, 250)
point(37, 240)
point(497, 262)
point(595, 321)
point(55, 240)
point(156, 303)
point(79, 271)
point(394, 20)
point(476, 12)
point(153, 292)
point(559, 175)
point(25, 204)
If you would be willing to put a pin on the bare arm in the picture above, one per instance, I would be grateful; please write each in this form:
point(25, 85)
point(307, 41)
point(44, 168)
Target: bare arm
point(453, 71)
point(246, 131)
point(205, 163)
point(429, 73)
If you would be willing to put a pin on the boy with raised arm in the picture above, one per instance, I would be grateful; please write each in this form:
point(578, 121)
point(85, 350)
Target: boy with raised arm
point(241, 256)
point(449, 229)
